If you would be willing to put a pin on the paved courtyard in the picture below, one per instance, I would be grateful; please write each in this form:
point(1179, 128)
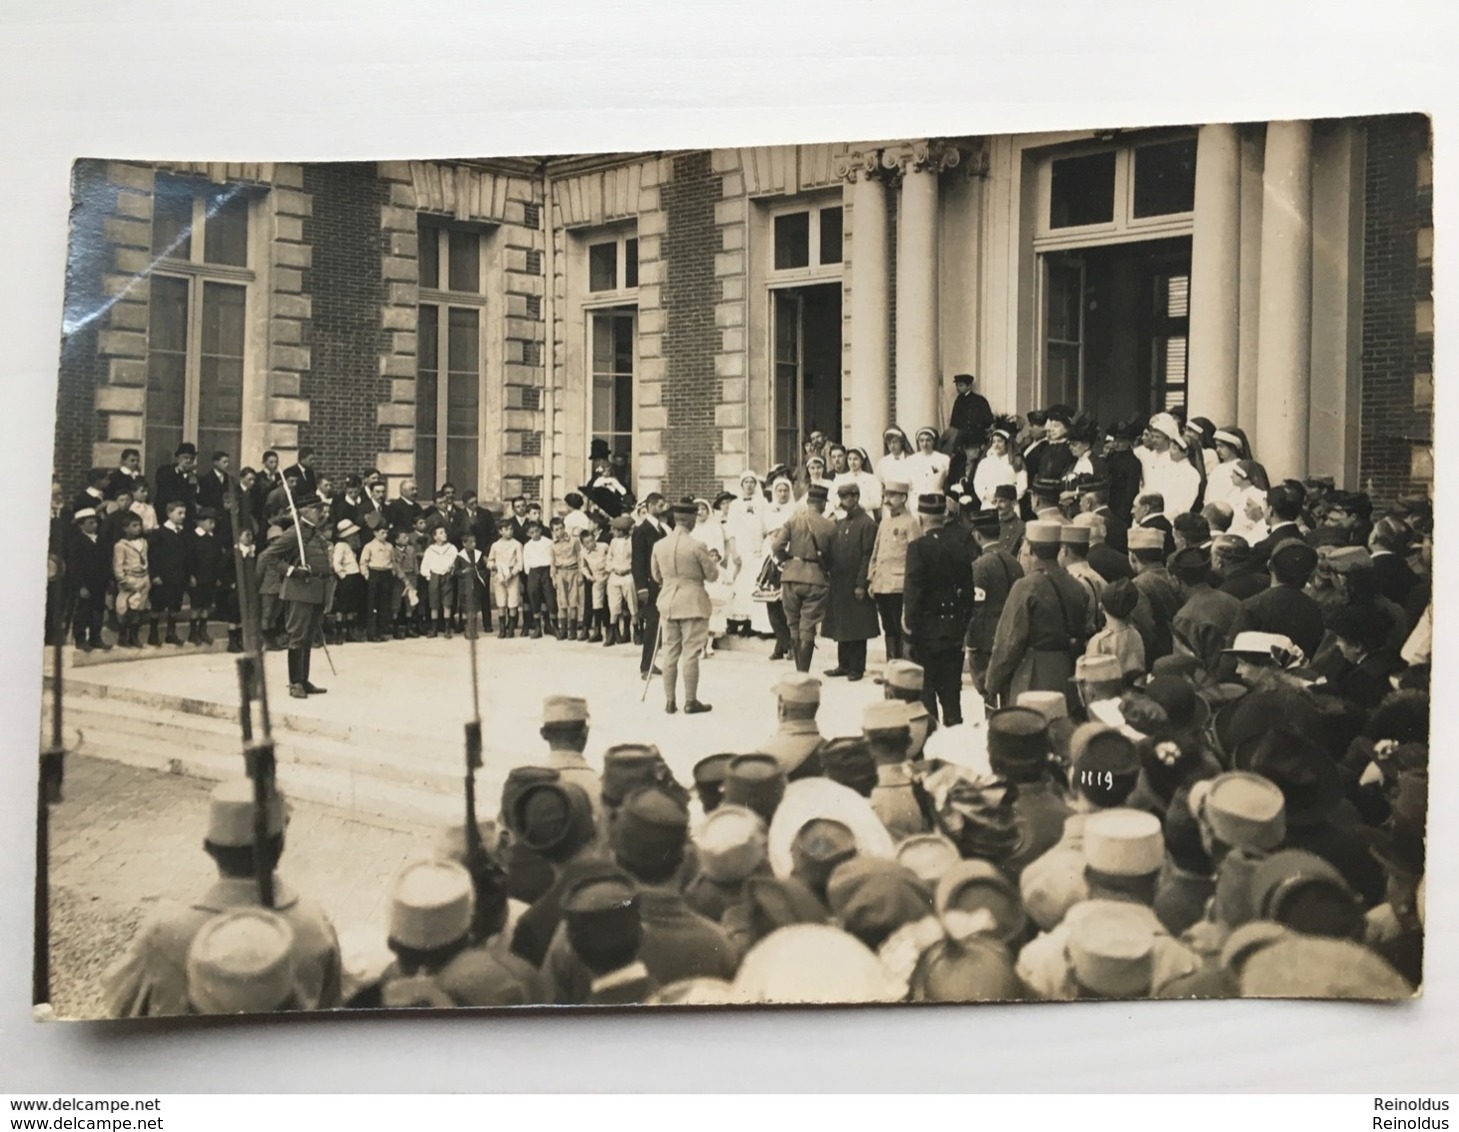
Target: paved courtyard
point(126, 837)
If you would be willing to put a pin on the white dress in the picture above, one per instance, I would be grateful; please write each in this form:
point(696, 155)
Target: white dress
point(890, 468)
point(710, 535)
point(927, 472)
point(1220, 488)
point(868, 483)
point(993, 471)
point(1252, 530)
point(745, 526)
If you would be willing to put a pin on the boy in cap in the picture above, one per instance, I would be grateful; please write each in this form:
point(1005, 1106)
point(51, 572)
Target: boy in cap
point(149, 980)
point(537, 566)
point(504, 562)
point(567, 579)
point(593, 575)
point(620, 596)
point(205, 565)
point(167, 553)
point(88, 575)
point(377, 566)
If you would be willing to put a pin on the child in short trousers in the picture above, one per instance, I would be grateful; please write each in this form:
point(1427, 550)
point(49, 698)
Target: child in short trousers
point(438, 568)
point(537, 562)
point(504, 561)
point(567, 580)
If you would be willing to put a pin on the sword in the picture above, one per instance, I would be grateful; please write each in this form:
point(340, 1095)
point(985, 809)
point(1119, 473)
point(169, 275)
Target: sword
point(298, 534)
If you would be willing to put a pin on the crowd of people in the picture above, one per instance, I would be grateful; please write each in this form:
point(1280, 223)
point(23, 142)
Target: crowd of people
point(1196, 763)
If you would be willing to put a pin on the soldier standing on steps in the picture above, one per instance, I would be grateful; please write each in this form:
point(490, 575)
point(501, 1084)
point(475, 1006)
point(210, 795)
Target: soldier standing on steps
point(305, 558)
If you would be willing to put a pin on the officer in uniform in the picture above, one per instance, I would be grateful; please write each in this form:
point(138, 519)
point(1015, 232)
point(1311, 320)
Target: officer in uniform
point(150, 980)
point(797, 740)
point(994, 572)
point(938, 604)
point(242, 962)
point(681, 565)
point(1042, 623)
point(800, 547)
point(905, 681)
point(306, 559)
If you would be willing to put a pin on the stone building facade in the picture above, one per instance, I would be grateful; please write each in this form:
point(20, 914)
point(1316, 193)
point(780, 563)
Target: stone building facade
point(484, 320)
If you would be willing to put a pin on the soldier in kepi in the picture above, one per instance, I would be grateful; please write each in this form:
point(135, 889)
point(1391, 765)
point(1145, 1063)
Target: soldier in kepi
point(305, 557)
point(150, 980)
point(938, 604)
point(1045, 620)
point(801, 546)
point(681, 565)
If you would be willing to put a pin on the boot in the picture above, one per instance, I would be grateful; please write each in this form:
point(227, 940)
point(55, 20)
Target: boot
point(610, 636)
point(536, 628)
point(448, 629)
point(576, 632)
point(431, 631)
point(600, 625)
point(172, 638)
point(194, 636)
point(153, 634)
point(638, 632)
point(509, 624)
point(582, 628)
point(502, 632)
point(400, 630)
point(235, 640)
point(204, 637)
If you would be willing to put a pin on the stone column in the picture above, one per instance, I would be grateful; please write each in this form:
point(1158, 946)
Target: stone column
point(1215, 276)
point(918, 362)
point(1253, 147)
point(1284, 351)
point(870, 389)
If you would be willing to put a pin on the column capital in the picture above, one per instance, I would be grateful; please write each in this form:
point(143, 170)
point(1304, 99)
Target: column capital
point(934, 155)
point(860, 165)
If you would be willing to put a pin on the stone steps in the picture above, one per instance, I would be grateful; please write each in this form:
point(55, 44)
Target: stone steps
point(373, 773)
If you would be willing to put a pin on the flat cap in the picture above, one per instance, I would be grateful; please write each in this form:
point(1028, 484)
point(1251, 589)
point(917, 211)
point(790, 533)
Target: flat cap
point(873, 898)
point(731, 844)
point(885, 715)
point(1112, 948)
point(896, 487)
point(1041, 532)
point(904, 675)
point(1071, 534)
point(1146, 538)
point(1242, 809)
point(1124, 843)
point(818, 491)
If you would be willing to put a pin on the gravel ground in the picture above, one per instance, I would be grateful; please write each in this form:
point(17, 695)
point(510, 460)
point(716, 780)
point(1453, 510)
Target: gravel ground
point(124, 839)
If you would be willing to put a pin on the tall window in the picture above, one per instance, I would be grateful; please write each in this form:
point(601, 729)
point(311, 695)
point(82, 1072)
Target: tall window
point(613, 334)
point(448, 344)
point(197, 319)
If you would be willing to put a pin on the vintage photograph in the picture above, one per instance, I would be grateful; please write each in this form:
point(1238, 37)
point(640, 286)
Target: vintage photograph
point(955, 569)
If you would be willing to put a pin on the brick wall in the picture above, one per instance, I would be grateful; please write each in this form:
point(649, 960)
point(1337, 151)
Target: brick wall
point(1397, 423)
point(81, 369)
point(691, 340)
point(345, 335)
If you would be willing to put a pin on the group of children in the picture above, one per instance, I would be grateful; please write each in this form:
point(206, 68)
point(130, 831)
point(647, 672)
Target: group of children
point(137, 578)
point(432, 579)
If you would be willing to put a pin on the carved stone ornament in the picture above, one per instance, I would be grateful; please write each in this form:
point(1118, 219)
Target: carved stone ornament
point(856, 164)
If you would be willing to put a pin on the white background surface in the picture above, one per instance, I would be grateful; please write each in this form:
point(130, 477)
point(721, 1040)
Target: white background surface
point(292, 81)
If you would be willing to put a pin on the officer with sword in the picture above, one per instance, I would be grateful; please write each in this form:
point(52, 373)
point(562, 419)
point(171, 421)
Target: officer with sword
point(305, 558)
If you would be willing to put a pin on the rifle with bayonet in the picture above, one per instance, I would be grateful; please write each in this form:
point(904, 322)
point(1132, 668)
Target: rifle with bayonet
point(487, 876)
point(49, 790)
point(259, 759)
